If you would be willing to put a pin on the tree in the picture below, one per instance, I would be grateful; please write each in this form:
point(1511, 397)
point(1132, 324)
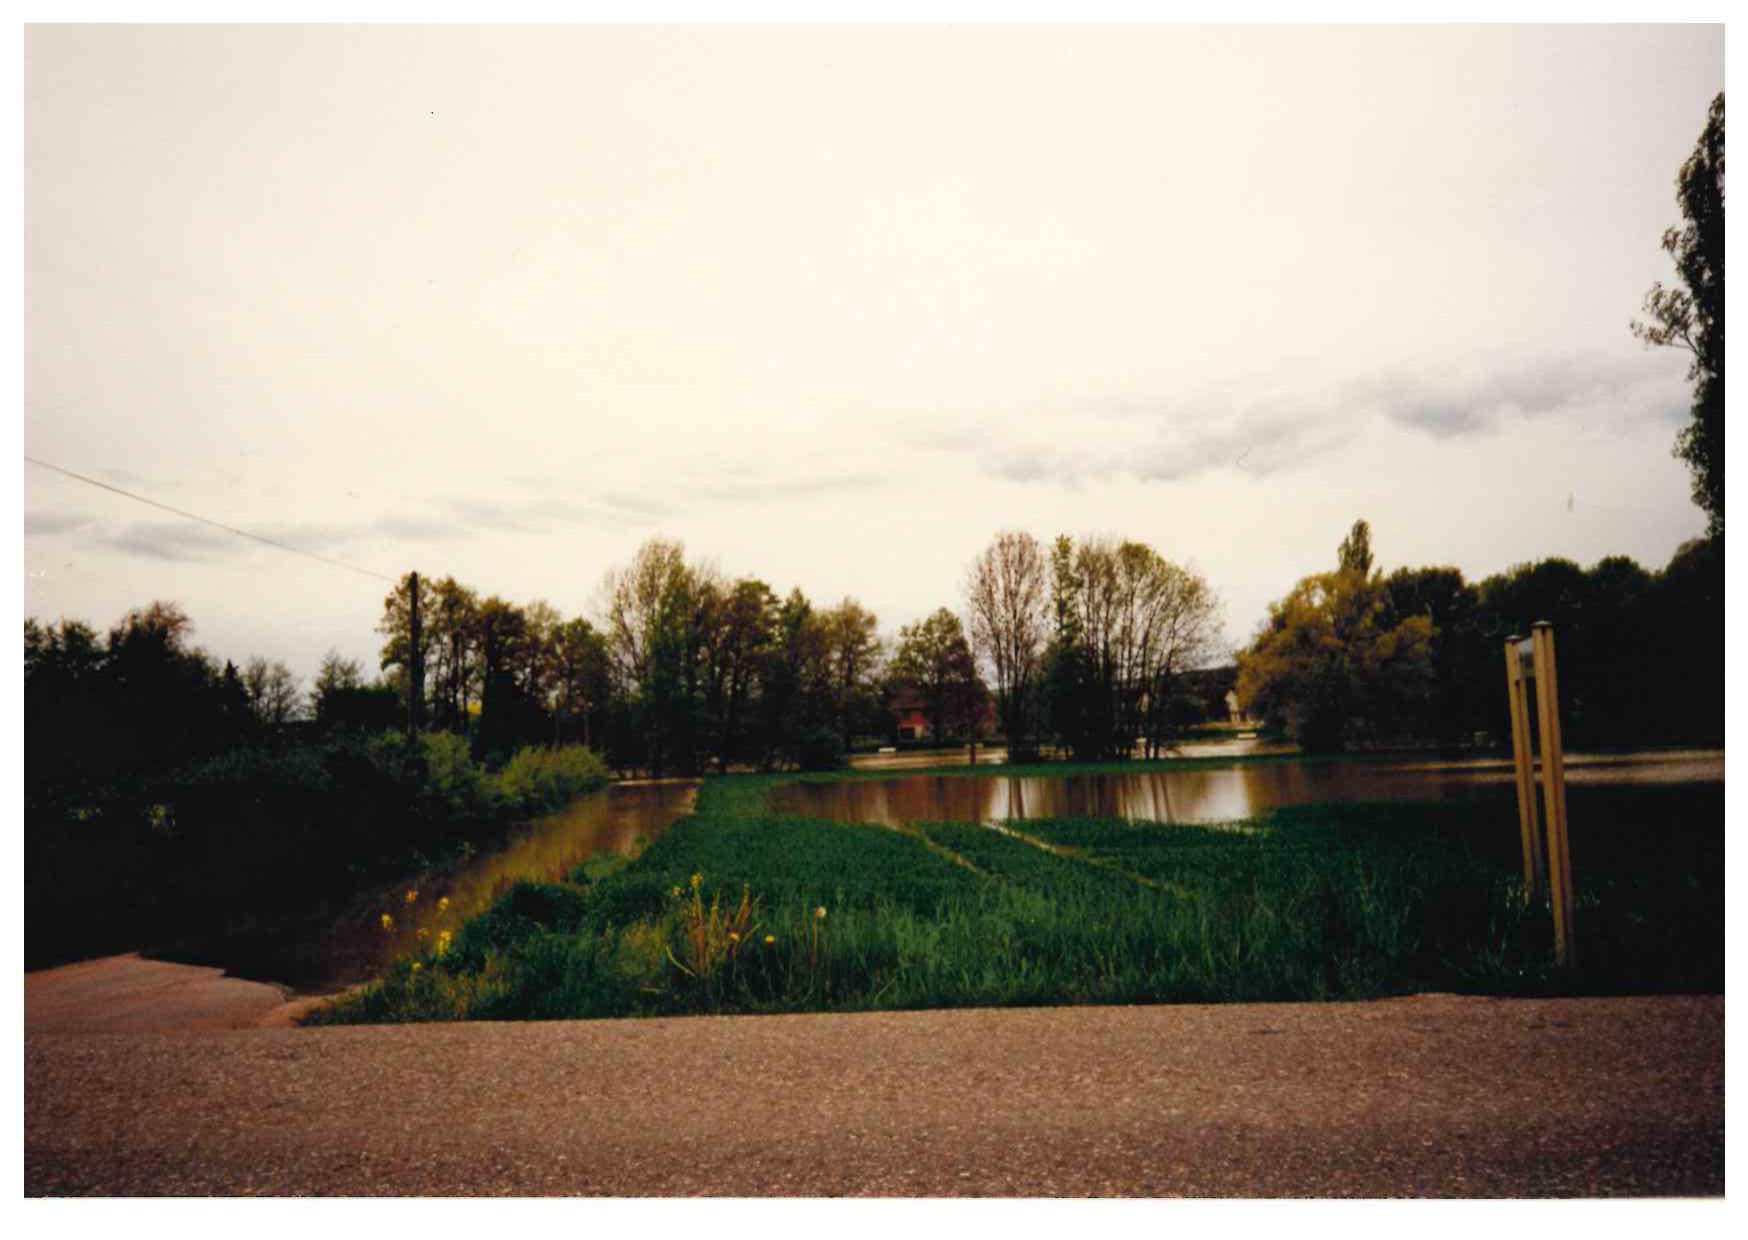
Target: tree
point(650, 612)
point(340, 698)
point(273, 692)
point(453, 624)
point(1005, 600)
point(582, 677)
point(1693, 318)
point(738, 642)
point(935, 659)
point(1327, 662)
point(399, 651)
point(1355, 553)
point(499, 633)
point(852, 644)
point(795, 681)
point(1129, 622)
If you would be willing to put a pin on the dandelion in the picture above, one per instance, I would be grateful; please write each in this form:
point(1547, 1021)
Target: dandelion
point(770, 939)
point(388, 923)
point(411, 896)
point(819, 913)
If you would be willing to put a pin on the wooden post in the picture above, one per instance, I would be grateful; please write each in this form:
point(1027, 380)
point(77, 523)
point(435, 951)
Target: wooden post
point(1535, 873)
point(1554, 792)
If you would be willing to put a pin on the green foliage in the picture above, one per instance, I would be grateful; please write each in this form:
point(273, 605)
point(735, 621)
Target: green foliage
point(819, 749)
point(1329, 663)
point(1338, 901)
point(538, 780)
point(1692, 317)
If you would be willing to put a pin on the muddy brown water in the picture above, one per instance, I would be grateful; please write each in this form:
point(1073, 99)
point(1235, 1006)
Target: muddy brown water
point(331, 949)
point(1209, 795)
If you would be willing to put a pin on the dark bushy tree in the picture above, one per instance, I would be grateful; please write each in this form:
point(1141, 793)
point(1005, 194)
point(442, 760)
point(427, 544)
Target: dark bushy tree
point(1692, 317)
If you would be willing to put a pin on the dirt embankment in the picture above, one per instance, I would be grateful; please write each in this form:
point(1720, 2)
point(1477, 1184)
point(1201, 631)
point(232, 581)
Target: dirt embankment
point(130, 994)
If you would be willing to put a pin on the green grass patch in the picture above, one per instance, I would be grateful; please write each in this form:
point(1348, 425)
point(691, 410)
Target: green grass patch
point(723, 913)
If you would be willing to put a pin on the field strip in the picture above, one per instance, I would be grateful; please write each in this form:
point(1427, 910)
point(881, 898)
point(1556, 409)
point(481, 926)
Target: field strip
point(1075, 854)
point(909, 831)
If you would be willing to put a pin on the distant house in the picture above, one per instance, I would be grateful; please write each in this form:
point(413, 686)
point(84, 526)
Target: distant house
point(911, 721)
point(1216, 688)
point(910, 715)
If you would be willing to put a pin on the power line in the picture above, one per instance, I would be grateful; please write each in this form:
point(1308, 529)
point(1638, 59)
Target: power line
point(229, 529)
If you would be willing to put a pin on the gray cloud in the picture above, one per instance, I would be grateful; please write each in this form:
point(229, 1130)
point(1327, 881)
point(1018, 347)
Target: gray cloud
point(174, 541)
point(45, 524)
point(1461, 402)
point(1283, 426)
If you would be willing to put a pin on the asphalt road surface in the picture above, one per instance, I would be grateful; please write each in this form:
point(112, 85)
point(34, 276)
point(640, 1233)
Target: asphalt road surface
point(1428, 1096)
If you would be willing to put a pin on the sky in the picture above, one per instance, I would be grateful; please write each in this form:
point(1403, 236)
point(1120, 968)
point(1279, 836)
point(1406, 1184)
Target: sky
point(834, 306)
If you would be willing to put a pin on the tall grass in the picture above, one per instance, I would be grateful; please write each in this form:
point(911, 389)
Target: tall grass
point(1339, 901)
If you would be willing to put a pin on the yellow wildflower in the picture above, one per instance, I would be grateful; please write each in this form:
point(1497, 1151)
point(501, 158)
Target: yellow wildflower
point(675, 893)
point(388, 923)
point(770, 939)
point(411, 896)
point(819, 913)
point(443, 905)
point(697, 881)
point(417, 966)
point(423, 933)
point(733, 936)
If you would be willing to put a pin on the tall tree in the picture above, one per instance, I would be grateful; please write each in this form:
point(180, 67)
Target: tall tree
point(400, 652)
point(934, 658)
point(452, 622)
point(1692, 318)
point(273, 692)
point(1005, 598)
point(1327, 662)
point(852, 644)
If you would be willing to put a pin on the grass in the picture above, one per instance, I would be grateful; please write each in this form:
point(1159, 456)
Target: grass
point(739, 910)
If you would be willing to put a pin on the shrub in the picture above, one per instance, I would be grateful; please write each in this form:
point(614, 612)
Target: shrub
point(538, 780)
point(819, 749)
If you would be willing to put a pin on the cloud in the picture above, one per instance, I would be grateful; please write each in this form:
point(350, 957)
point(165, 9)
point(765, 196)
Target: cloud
point(47, 524)
point(173, 541)
point(1282, 426)
point(1456, 401)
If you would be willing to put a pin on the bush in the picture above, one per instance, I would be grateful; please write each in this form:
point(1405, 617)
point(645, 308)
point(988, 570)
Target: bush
point(539, 780)
point(452, 781)
point(819, 749)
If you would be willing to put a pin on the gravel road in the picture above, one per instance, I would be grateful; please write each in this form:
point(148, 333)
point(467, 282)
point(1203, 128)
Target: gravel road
point(1429, 1096)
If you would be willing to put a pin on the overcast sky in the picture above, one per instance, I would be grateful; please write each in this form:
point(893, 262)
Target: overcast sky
point(834, 306)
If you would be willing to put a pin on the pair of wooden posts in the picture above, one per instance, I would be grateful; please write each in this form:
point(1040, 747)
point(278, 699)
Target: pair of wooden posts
point(1550, 875)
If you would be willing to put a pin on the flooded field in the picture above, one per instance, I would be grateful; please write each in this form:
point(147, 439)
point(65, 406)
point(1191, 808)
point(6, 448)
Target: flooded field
point(1240, 791)
point(1241, 744)
point(330, 952)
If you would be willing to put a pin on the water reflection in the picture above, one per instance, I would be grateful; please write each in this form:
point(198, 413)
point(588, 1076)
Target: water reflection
point(357, 946)
point(1202, 795)
point(1242, 744)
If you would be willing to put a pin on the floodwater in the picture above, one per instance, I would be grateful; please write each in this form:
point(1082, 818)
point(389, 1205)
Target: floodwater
point(620, 819)
point(337, 949)
point(1210, 795)
point(1241, 744)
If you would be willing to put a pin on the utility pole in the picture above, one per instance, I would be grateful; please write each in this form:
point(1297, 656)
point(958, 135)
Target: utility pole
point(415, 662)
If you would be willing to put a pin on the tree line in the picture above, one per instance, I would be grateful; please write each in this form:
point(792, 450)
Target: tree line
point(683, 669)
point(1354, 656)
